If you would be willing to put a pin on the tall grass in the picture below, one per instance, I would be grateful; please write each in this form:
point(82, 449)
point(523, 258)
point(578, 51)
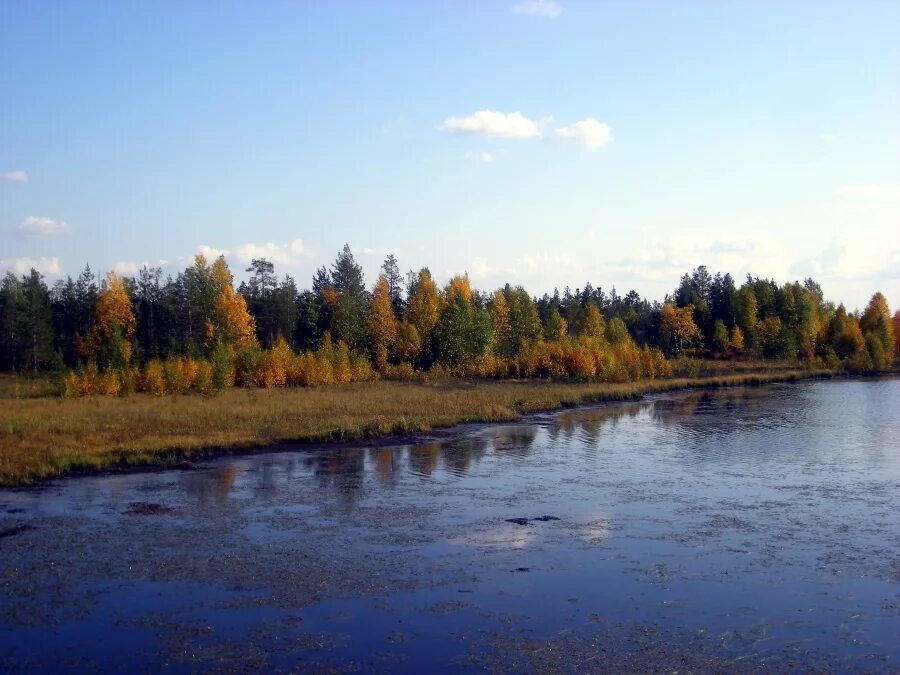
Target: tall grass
point(45, 437)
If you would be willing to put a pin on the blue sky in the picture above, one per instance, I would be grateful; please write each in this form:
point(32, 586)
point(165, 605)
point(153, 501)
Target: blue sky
point(542, 143)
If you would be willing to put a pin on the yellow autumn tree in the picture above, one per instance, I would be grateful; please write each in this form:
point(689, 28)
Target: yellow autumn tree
point(878, 330)
point(232, 323)
point(895, 322)
point(592, 325)
point(557, 327)
point(459, 287)
point(677, 329)
point(382, 323)
point(498, 308)
point(408, 344)
point(114, 325)
point(424, 305)
point(736, 341)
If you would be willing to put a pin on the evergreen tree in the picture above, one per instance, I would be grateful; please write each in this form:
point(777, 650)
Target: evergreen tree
point(12, 303)
point(348, 320)
point(37, 322)
point(307, 331)
point(391, 271)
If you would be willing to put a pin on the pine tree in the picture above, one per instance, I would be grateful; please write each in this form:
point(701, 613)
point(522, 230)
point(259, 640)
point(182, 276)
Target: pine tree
point(391, 271)
point(12, 303)
point(348, 320)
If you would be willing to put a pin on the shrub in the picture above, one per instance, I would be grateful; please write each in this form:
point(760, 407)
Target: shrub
point(204, 381)
point(246, 365)
point(176, 375)
point(154, 381)
point(223, 371)
point(273, 365)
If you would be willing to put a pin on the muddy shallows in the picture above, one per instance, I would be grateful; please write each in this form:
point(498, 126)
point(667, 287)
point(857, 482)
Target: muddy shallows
point(736, 530)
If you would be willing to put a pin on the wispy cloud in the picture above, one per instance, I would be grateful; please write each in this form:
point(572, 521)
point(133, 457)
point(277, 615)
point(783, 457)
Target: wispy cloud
point(493, 123)
point(536, 269)
point(871, 192)
point(41, 226)
point(485, 157)
point(547, 8)
point(47, 266)
point(210, 252)
point(376, 251)
point(130, 268)
point(280, 254)
point(851, 256)
point(664, 260)
point(14, 177)
point(589, 132)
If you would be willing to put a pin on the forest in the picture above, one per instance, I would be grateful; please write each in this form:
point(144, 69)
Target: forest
point(198, 332)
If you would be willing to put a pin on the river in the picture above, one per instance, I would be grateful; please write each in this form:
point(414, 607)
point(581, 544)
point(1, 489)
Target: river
point(736, 529)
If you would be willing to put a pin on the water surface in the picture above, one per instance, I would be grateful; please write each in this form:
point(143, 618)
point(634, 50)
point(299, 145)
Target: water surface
point(740, 529)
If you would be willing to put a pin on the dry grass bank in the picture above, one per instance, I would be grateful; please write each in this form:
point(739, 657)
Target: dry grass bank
point(45, 437)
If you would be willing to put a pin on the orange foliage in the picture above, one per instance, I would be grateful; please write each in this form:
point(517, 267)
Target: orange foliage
point(424, 304)
point(235, 324)
point(114, 321)
point(459, 287)
point(407, 344)
point(382, 323)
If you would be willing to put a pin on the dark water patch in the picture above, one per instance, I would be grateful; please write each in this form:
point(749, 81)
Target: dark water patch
point(149, 509)
point(12, 531)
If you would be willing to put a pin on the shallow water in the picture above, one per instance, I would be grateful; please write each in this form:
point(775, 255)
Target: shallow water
point(739, 529)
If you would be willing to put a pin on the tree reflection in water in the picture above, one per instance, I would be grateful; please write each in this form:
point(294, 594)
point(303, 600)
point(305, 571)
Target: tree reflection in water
point(590, 423)
point(423, 458)
point(459, 454)
point(210, 487)
point(384, 462)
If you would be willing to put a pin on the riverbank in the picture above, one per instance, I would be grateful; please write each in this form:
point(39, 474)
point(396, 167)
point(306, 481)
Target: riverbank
point(41, 438)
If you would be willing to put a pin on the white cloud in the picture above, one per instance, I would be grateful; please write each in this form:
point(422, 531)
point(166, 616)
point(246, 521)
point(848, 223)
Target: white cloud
point(539, 7)
point(590, 132)
point(485, 157)
point(663, 261)
point(280, 254)
point(14, 176)
point(827, 137)
point(865, 252)
point(44, 227)
point(382, 251)
point(871, 192)
point(47, 266)
point(130, 268)
point(493, 123)
point(480, 267)
point(210, 252)
point(534, 270)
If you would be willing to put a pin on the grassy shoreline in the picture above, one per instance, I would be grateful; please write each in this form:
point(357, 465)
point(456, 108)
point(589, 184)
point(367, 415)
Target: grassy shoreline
point(42, 438)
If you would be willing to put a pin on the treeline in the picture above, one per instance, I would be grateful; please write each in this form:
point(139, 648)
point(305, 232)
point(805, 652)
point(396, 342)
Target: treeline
point(197, 331)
